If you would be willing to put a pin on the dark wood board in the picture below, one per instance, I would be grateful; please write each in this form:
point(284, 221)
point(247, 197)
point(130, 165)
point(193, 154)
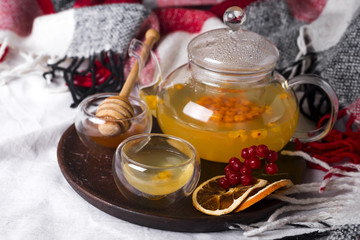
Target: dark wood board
point(90, 175)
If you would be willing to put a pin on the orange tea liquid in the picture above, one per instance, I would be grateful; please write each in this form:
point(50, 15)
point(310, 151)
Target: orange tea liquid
point(222, 124)
point(156, 181)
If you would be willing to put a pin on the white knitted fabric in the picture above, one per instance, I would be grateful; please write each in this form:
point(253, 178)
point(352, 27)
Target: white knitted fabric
point(334, 36)
point(33, 120)
point(327, 30)
point(81, 32)
point(324, 205)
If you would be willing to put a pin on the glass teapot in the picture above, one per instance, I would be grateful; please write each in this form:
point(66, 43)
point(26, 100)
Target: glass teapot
point(228, 96)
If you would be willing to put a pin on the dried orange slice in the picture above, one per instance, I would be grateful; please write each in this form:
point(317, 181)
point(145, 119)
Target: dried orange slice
point(256, 196)
point(211, 199)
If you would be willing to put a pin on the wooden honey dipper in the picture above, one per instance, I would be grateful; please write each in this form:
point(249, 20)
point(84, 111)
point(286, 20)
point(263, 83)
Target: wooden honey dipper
point(119, 107)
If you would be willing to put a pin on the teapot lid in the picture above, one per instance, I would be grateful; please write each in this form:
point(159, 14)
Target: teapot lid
point(233, 50)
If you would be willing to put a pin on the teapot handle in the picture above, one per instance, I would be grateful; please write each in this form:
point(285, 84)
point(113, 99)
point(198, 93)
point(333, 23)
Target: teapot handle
point(317, 134)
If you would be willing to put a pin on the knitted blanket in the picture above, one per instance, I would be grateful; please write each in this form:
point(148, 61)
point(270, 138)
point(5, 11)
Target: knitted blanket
point(72, 30)
point(81, 46)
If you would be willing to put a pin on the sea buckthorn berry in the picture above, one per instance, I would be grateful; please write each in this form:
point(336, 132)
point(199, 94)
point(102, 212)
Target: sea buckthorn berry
point(230, 112)
point(245, 170)
point(232, 109)
point(179, 86)
point(254, 163)
point(224, 183)
point(151, 101)
point(240, 134)
point(283, 96)
point(246, 102)
point(262, 151)
point(243, 109)
point(259, 134)
point(271, 124)
point(272, 156)
point(235, 164)
point(228, 119)
point(252, 151)
point(271, 168)
point(275, 129)
point(239, 118)
point(246, 180)
point(216, 116)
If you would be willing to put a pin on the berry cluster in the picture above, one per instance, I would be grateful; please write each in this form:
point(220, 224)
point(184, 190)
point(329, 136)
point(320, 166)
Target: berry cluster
point(237, 172)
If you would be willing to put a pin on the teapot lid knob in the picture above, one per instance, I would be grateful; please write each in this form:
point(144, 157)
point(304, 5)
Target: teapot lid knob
point(233, 49)
point(234, 17)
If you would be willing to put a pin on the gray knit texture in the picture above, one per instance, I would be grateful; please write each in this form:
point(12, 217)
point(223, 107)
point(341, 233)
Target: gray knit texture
point(346, 232)
point(106, 27)
point(340, 65)
point(273, 20)
point(61, 5)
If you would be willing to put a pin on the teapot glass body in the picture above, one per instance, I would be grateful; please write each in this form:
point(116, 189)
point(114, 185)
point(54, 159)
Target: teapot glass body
point(228, 97)
point(220, 118)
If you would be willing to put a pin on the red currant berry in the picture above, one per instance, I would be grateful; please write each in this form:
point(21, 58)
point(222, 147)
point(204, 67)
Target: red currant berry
point(245, 171)
point(235, 164)
point(247, 180)
point(247, 162)
point(252, 151)
point(254, 163)
point(272, 156)
point(228, 170)
point(224, 183)
point(245, 153)
point(234, 178)
point(271, 168)
point(233, 159)
point(262, 151)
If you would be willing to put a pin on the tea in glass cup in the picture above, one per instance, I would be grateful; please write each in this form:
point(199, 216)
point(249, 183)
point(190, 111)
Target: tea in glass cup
point(156, 170)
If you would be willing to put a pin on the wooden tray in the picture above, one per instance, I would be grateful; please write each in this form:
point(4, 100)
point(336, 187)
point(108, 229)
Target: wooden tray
point(91, 177)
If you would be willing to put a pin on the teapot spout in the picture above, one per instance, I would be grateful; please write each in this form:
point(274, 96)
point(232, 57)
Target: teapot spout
point(149, 74)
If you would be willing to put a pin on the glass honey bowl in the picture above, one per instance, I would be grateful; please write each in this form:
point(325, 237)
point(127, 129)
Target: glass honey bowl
point(87, 123)
point(156, 170)
point(228, 96)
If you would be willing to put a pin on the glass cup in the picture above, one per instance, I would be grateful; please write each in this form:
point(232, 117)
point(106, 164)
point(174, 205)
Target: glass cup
point(156, 170)
point(87, 123)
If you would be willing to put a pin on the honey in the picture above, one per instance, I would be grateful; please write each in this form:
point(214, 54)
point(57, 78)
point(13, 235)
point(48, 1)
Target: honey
point(220, 124)
point(87, 126)
point(111, 141)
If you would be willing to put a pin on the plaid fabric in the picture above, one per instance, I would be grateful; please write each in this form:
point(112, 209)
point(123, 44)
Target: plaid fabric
point(106, 27)
point(339, 65)
point(96, 34)
point(346, 232)
point(61, 5)
point(99, 26)
point(274, 20)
